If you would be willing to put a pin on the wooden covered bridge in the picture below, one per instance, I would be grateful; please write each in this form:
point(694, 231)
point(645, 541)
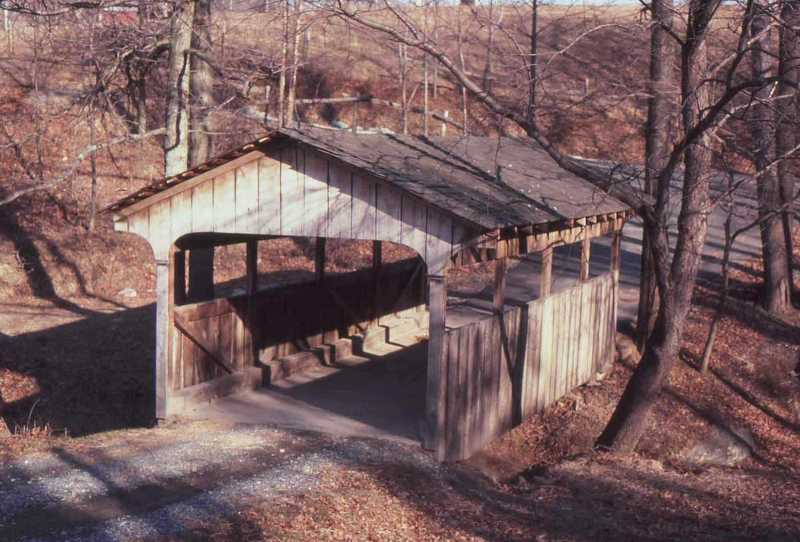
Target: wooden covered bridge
point(454, 201)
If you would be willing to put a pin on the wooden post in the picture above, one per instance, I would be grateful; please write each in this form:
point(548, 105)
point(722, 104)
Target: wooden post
point(586, 254)
point(615, 255)
point(500, 272)
point(179, 277)
point(251, 259)
point(162, 335)
point(319, 260)
point(377, 264)
point(433, 426)
point(201, 274)
point(546, 277)
point(251, 266)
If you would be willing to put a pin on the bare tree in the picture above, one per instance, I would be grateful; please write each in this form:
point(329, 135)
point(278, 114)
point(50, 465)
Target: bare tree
point(777, 294)
point(658, 138)
point(176, 143)
point(788, 113)
point(201, 83)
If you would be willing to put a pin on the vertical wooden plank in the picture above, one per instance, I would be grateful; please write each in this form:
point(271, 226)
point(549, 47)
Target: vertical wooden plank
point(454, 415)
point(611, 322)
point(269, 194)
point(584, 332)
point(364, 211)
point(203, 207)
point(414, 224)
point(568, 332)
point(161, 228)
point(225, 202)
point(497, 360)
point(340, 202)
point(377, 268)
point(389, 216)
point(466, 385)
point(554, 353)
point(250, 327)
point(499, 294)
point(546, 276)
point(533, 369)
point(223, 341)
point(171, 332)
point(292, 191)
point(564, 334)
point(319, 259)
point(315, 198)
point(139, 223)
point(575, 338)
point(163, 323)
point(187, 361)
point(438, 240)
point(586, 250)
point(247, 192)
point(437, 367)
point(476, 382)
point(179, 278)
point(181, 214)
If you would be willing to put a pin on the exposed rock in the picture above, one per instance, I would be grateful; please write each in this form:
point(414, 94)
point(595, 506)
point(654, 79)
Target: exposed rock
point(726, 446)
point(128, 292)
point(4, 431)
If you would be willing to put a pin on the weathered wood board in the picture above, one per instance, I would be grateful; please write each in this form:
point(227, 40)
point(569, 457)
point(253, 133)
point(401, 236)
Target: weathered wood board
point(567, 336)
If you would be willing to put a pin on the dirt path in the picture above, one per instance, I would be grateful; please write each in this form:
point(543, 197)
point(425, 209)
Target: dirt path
point(167, 481)
point(201, 482)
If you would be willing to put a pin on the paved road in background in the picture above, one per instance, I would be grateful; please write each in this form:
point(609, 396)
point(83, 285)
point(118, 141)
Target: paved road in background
point(523, 279)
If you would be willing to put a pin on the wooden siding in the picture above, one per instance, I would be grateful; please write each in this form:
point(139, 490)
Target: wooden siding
point(503, 370)
point(284, 320)
point(296, 191)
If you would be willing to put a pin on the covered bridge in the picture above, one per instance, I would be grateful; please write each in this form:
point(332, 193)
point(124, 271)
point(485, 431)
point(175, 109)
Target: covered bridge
point(454, 201)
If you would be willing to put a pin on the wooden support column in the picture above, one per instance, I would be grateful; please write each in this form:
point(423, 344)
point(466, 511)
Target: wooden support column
point(377, 264)
point(201, 274)
point(615, 254)
point(319, 260)
point(546, 276)
point(163, 323)
point(179, 277)
point(586, 254)
point(251, 265)
point(433, 433)
point(500, 273)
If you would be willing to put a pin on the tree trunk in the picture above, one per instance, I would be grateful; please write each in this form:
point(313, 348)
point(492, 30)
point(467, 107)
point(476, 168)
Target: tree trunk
point(705, 362)
point(201, 260)
point(657, 149)
point(776, 295)
point(284, 66)
point(788, 114)
point(462, 64)
point(176, 142)
point(629, 420)
point(295, 58)
point(533, 63)
point(202, 86)
point(401, 53)
point(488, 67)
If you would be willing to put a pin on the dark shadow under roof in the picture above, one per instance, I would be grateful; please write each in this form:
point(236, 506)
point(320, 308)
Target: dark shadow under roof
point(490, 182)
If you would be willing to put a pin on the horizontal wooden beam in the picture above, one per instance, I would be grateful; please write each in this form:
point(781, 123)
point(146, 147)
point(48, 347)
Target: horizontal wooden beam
point(515, 242)
point(208, 240)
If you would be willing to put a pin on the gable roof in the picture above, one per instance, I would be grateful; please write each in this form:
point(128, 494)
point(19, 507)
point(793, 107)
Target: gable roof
point(490, 182)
